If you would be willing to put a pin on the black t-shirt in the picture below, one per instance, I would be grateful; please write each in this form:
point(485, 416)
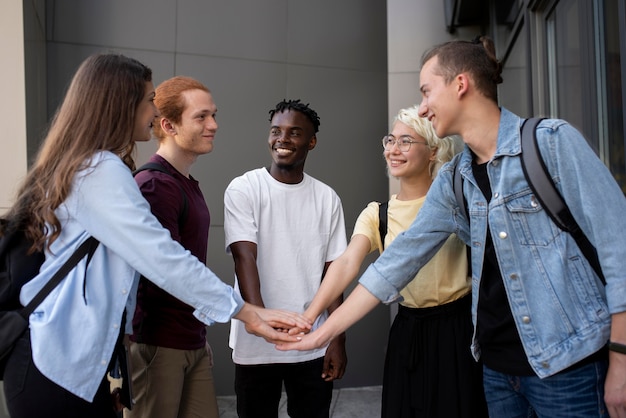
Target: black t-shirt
point(500, 344)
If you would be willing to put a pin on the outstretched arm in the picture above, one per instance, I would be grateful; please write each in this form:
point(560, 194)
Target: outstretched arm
point(339, 275)
point(356, 306)
point(615, 384)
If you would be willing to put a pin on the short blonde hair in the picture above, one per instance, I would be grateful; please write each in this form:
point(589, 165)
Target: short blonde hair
point(446, 147)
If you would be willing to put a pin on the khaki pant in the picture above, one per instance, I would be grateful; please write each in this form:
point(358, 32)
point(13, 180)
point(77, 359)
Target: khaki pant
point(169, 383)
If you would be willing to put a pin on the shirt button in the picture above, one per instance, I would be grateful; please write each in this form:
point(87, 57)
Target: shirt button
point(533, 202)
point(526, 319)
point(513, 276)
point(103, 362)
point(496, 194)
point(545, 364)
point(124, 291)
point(116, 326)
point(503, 235)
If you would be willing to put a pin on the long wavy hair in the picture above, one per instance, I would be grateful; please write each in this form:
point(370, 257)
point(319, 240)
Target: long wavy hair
point(97, 114)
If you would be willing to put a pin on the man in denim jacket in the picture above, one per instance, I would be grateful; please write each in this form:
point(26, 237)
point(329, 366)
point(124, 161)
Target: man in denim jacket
point(542, 316)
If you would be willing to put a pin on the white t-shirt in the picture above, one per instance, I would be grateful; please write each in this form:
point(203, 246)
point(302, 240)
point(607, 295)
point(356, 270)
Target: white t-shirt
point(297, 229)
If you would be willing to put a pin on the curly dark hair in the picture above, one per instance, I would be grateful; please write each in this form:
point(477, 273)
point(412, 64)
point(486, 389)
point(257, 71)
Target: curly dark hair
point(300, 107)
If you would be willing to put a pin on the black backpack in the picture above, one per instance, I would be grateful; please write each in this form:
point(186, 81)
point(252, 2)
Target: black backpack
point(540, 182)
point(17, 267)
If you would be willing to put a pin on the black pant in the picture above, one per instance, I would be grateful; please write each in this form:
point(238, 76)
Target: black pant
point(29, 394)
point(259, 388)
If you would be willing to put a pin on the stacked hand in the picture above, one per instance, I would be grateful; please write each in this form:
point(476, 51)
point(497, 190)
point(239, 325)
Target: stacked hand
point(271, 324)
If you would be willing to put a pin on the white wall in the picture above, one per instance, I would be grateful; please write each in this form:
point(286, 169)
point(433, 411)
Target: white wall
point(12, 108)
point(413, 26)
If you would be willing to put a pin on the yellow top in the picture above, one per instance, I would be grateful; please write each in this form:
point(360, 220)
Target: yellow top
point(443, 279)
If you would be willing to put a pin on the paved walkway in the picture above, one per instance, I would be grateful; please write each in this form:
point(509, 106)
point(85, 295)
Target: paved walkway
point(347, 403)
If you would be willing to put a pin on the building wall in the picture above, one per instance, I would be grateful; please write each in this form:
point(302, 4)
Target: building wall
point(12, 108)
point(356, 61)
point(12, 113)
point(413, 26)
point(330, 54)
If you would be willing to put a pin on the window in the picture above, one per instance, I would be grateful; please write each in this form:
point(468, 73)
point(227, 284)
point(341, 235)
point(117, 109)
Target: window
point(612, 126)
point(584, 75)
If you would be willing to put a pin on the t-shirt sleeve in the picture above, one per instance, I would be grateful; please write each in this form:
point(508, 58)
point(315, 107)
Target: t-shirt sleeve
point(240, 223)
point(367, 224)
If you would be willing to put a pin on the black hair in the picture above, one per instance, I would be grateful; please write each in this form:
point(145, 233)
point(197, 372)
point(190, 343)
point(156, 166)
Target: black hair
point(299, 107)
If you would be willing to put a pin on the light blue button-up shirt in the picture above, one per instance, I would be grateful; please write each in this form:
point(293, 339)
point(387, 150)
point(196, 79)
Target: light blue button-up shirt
point(560, 307)
point(73, 332)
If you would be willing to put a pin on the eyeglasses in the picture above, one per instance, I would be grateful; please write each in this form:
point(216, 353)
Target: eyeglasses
point(403, 143)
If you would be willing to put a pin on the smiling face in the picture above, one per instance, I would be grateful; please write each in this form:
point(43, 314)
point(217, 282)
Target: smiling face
point(413, 163)
point(196, 130)
point(145, 114)
point(438, 99)
point(290, 139)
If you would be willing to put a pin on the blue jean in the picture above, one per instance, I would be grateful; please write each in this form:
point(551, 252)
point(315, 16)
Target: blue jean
point(568, 394)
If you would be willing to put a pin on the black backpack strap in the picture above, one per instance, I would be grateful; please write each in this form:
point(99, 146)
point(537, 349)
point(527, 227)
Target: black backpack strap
point(545, 191)
point(457, 185)
point(382, 221)
point(86, 248)
point(182, 217)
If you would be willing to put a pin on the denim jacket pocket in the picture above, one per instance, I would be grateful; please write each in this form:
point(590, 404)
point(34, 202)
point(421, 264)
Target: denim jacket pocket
point(588, 297)
point(530, 221)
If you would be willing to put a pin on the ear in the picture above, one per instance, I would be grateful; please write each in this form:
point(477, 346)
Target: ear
point(312, 142)
point(433, 154)
point(167, 127)
point(462, 84)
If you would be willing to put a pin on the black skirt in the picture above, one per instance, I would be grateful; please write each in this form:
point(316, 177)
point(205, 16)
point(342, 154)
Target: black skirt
point(429, 369)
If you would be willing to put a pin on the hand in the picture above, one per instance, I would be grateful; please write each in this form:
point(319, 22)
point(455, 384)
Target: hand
point(615, 385)
point(268, 323)
point(310, 341)
point(301, 331)
point(297, 331)
point(283, 320)
point(335, 360)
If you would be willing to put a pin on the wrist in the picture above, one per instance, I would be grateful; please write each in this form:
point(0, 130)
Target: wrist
point(617, 347)
point(309, 316)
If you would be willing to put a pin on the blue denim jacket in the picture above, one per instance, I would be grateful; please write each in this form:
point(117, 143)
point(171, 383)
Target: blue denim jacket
point(73, 332)
point(560, 307)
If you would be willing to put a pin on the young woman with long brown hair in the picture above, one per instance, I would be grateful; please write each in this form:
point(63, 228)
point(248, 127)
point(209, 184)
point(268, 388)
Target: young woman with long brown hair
point(80, 186)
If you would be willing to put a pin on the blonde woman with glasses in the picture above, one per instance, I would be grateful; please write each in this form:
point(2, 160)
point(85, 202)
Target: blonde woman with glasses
point(429, 370)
